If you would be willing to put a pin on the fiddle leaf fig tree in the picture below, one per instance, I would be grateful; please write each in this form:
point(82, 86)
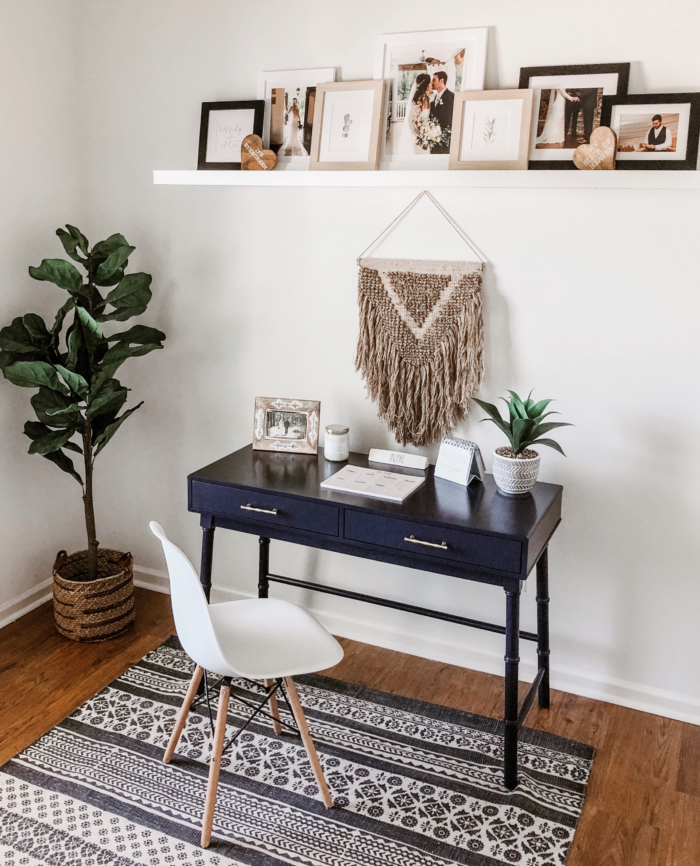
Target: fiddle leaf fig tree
point(79, 402)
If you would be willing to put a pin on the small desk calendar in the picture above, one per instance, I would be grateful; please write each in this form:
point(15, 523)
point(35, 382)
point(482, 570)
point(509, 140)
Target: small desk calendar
point(459, 461)
point(373, 482)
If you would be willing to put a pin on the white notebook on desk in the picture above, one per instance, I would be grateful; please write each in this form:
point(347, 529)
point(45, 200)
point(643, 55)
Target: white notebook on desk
point(389, 486)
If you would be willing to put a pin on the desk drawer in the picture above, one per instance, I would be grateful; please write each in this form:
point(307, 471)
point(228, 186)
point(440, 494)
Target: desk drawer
point(235, 503)
point(454, 545)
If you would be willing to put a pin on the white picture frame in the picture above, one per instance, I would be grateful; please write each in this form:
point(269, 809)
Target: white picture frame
point(395, 50)
point(293, 82)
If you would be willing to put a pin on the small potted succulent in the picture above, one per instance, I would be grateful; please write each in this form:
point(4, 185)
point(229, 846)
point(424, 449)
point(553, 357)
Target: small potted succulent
point(515, 466)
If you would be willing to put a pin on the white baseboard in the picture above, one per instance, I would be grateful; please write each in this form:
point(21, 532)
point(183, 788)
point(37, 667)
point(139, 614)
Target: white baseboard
point(636, 696)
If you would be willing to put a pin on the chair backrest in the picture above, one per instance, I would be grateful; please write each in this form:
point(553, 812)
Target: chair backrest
point(190, 608)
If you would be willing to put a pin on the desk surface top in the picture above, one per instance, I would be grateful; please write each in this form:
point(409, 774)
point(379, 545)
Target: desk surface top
point(480, 507)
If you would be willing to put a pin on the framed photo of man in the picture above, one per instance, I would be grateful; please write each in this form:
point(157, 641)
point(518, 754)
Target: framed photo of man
point(286, 425)
point(568, 107)
point(654, 131)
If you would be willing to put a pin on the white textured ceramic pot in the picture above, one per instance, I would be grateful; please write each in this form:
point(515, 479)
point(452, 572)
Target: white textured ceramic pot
point(515, 474)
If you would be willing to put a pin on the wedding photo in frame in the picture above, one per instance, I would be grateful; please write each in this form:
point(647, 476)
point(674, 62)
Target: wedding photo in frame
point(222, 129)
point(654, 131)
point(568, 107)
point(284, 94)
point(286, 425)
point(491, 130)
point(346, 126)
point(423, 71)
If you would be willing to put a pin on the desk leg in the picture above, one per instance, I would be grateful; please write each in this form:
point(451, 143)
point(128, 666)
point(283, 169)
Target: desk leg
point(263, 567)
point(512, 659)
point(207, 558)
point(543, 625)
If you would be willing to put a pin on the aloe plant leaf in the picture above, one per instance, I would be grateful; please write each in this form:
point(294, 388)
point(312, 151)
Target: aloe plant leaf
point(540, 429)
point(550, 443)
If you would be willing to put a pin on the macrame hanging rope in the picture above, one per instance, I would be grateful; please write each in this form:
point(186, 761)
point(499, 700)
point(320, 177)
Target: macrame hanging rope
point(421, 342)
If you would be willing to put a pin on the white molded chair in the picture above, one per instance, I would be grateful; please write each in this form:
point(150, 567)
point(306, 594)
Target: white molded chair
point(259, 639)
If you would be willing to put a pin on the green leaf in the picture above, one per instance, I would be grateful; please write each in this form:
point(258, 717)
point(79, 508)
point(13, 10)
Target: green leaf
point(37, 330)
point(110, 430)
point(74, 381)
point(518, 405)
point(60, 316)
point(56, 409)
point(546, 428)
point(539, 408)
point(116, 356)
point(51, 441)
point(521, 433)
point(132, 292)
point(32, 374)
point(138, 334)
point(83, 242)
point(72, 242)
point(110, 396)
point(37, 431)
point(92, 332)
point(550, 443)
point(63, 462)
point(77, 354)
point(495, 416)
point(73, 447)
point(121, 315)
point(114, 263)
point(61, 273)
point(16, 338)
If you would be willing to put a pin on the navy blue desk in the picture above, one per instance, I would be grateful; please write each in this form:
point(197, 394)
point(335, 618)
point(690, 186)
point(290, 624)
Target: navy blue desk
point(472, 534)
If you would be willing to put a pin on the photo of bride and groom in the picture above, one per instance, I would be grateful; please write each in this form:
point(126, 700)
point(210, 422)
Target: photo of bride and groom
point(427, 126)
point(567, 117)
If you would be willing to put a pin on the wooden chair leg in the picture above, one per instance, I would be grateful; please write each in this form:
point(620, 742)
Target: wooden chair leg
point(274, 709)
point(215, 764)
point(308, 742)
point(181, 719)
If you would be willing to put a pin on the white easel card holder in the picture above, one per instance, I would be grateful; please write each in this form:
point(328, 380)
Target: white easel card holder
point(460, 461)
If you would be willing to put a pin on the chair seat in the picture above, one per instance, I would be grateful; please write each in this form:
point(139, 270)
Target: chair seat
point(266, 638)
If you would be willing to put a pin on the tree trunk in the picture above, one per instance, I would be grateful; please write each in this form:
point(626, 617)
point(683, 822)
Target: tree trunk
point(93, 543)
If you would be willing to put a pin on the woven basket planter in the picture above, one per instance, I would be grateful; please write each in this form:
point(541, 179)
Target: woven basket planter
point(93, 610)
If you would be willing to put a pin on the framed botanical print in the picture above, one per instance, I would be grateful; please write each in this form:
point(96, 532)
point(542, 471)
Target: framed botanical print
point(423, 72)
point(223, 127)
point(281, 424)
point(568, 106)
point(654, 131)
point(346, 126)
point(491, 129)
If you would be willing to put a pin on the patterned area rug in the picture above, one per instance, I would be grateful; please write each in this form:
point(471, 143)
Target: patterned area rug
point(414, 784)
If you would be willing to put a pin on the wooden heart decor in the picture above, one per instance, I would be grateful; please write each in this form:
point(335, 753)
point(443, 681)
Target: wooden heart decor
point(600, 153)
point(254, 157)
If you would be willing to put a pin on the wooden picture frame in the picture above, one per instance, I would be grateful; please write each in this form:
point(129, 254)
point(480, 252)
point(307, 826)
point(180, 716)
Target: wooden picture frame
point(346, 126)
point(234, 121)
point(610, 79)
point(489, 136)
point(683, 155)
point(286, 425)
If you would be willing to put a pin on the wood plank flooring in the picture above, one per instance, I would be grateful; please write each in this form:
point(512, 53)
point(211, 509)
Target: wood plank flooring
point(643, 806)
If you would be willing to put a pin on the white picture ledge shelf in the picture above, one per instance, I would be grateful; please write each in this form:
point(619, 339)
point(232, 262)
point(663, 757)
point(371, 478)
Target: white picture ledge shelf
point(438, 179)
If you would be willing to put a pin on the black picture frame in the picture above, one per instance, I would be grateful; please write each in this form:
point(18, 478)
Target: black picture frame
point(527, 72)
point(207, 107)
point(309, 105)
point(657, 161)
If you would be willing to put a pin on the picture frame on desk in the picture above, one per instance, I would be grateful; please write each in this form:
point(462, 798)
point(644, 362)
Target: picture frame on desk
point(654, 131)
point(568, 107)
point(222, 128)
point(491, 130)
point(286, 425)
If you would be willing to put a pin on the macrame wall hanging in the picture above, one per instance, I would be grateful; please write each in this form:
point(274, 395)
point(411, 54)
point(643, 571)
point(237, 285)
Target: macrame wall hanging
point(421, 343)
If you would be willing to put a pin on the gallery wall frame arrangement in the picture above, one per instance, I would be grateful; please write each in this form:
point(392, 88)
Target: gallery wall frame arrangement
point(491, 129)
point(285, 96)
point(654, 131)
point(346, 126)
point(222, 128)
point(286, 425)
point(568, 104)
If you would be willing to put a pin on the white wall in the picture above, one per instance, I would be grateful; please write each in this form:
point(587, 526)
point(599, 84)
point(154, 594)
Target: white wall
point(589, 297)
point(40, 190)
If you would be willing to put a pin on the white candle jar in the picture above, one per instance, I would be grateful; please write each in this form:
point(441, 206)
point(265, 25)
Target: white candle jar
point(336, 446)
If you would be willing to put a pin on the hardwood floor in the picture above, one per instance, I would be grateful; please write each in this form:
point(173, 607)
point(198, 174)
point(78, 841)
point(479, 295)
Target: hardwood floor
point(643, 806)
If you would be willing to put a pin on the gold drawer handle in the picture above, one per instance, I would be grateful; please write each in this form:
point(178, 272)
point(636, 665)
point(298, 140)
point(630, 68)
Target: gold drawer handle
point(249, 507)
point(414, 540)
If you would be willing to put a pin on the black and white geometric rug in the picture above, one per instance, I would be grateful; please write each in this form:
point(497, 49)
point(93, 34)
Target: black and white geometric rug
point(414, 784)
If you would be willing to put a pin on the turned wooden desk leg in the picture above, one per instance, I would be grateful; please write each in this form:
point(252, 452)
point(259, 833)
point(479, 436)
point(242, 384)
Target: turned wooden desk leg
point(543, 626)
point(512, 659)
point(207, 558)
point(263, 567)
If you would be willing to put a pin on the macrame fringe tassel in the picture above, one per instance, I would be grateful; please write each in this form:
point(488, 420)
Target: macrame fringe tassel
point(420, 403)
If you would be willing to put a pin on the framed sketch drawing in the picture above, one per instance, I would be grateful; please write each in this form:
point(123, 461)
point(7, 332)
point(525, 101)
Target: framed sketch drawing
point(346, 126)
point(491, 129)
point(290, 426)
point(654, 131)
point(423, 72)
point(285, 94)
point(223, 127)
point(568, 106)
